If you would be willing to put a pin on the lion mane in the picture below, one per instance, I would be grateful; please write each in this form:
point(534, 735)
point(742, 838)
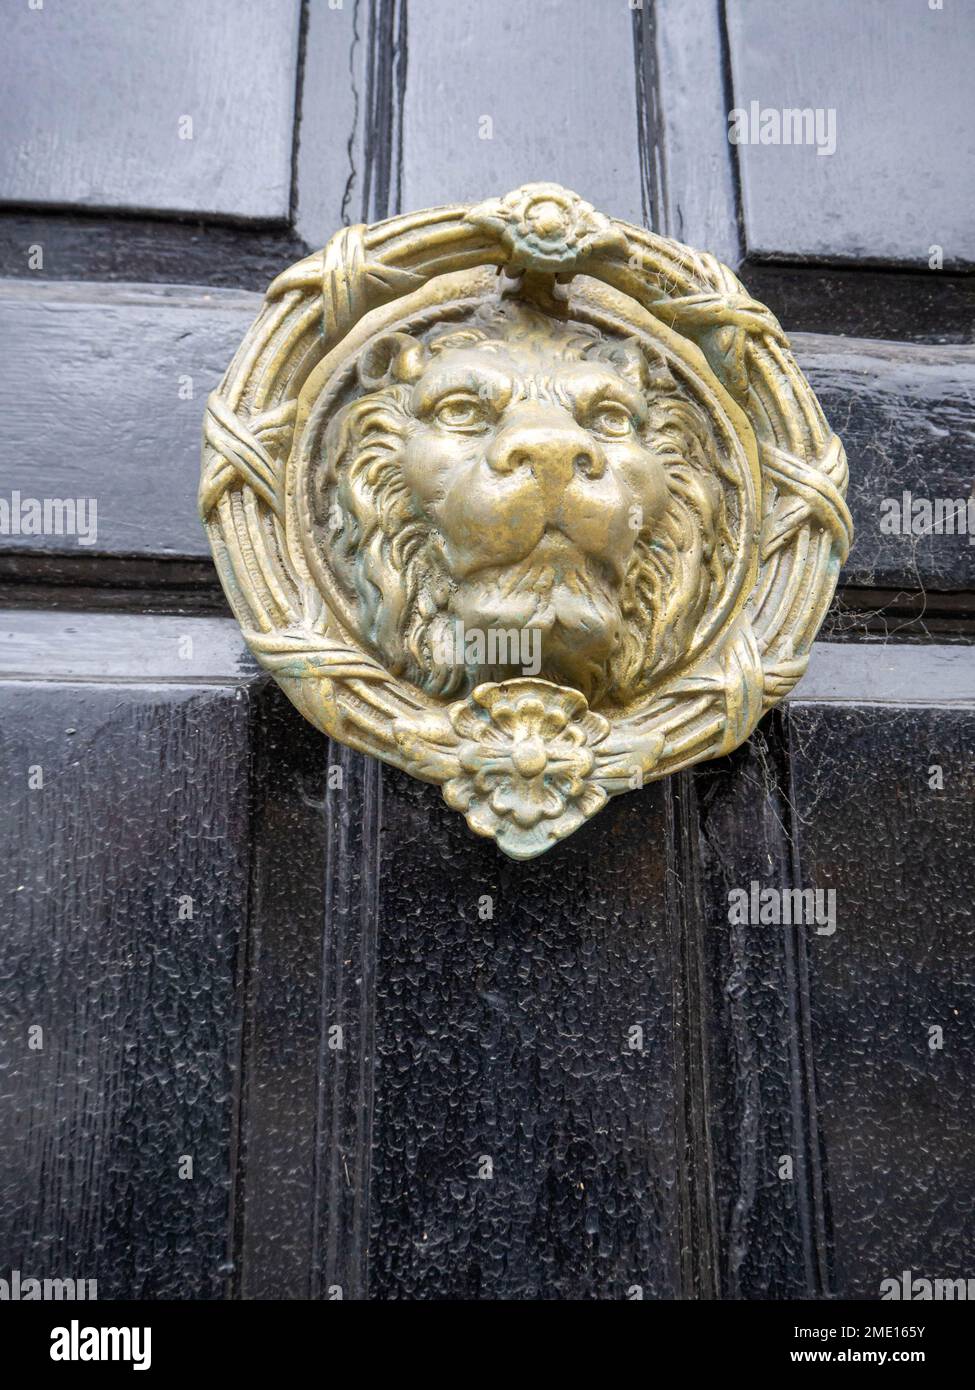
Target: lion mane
point(384, 550)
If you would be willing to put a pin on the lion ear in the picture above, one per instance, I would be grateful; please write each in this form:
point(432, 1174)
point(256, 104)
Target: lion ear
point(657, 374)
point(391, 358)
point(641, 365)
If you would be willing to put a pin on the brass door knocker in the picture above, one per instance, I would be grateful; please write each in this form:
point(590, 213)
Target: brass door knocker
point(525, 500)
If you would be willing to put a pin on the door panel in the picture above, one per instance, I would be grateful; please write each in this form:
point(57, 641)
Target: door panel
point(124, 878)
point(95, 108)
point(891, 993)
point(904, 413)
point(525, 1135)
point(526, 86)
point(898, 172)
point(107, 389)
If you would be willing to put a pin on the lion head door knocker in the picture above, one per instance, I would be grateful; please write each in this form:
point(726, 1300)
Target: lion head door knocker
point(527, 501)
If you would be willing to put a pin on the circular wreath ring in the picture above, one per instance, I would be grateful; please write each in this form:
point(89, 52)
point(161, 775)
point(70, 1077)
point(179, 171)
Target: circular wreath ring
point(790, 476)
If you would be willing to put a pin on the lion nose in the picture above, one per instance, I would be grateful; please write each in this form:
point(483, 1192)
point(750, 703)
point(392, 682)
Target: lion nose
point(553, 449)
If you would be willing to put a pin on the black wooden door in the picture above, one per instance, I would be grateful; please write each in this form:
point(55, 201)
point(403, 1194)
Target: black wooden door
point(273, 1023)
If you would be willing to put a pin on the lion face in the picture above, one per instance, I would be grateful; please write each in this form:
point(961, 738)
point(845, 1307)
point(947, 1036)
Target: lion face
point(514, 477)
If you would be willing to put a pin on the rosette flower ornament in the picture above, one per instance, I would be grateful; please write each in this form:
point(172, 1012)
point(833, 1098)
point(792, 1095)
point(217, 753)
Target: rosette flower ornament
point(526, 754)
point(546, 228)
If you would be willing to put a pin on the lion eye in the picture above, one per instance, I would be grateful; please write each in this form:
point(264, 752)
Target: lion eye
point(460, 413)
point(612, 419)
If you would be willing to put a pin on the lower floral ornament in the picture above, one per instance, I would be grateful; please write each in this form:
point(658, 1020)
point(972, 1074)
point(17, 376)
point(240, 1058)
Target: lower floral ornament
point(536, 538)
point(525, 760)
